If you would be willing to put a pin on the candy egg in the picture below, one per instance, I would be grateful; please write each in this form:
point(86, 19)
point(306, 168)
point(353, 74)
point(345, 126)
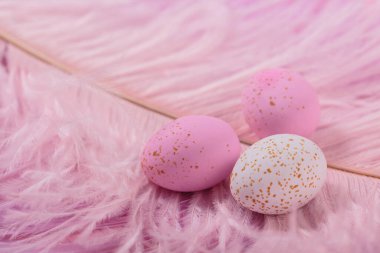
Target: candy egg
point(279, 101)
point(278, 174)
point(191, 153)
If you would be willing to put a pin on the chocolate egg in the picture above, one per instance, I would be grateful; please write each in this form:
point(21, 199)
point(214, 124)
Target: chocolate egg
point(191, 153)
point(279, 101)
point(278, 174)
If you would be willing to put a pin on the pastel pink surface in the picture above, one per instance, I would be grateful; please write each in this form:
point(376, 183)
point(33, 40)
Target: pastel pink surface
point(70, 174)
point(278, 101)
point(191, 153)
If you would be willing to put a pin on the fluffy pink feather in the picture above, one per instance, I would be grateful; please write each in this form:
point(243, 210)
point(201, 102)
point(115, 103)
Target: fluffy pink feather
point(69, 172)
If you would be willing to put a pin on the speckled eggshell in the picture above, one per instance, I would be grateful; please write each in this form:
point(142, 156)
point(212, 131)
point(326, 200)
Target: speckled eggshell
point(278, 174)
point(278, 101)
point(191, 153)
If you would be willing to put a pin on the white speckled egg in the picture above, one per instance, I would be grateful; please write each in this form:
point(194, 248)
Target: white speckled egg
point(278, 174)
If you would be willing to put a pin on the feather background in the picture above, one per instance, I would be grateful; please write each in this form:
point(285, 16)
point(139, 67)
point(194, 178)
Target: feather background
point(69, 170)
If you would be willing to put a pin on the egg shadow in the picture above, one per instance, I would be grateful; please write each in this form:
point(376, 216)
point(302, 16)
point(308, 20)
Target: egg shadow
point(202, 207)
point(205, 204)
point(332, 198)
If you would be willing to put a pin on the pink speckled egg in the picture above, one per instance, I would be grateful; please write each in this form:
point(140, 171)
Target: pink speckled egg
point(191, 153)
point(278, 174)
point(278, 101)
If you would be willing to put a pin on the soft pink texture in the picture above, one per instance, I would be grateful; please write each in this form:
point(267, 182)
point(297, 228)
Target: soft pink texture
point(278, 101)
point(191, 153)
point(70, 179)
point(205, 52)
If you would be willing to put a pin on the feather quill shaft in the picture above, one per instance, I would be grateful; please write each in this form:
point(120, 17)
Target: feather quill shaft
point(70, 179)
point(154, 108)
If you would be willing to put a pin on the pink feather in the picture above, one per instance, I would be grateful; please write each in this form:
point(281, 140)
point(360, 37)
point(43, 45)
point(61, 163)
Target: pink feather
point(69, 170)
